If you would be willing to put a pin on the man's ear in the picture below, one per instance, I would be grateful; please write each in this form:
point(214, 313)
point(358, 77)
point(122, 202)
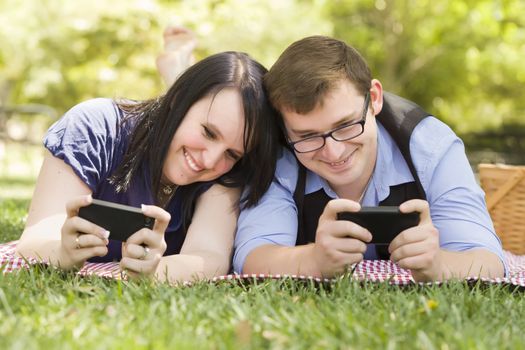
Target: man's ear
point(376, 97)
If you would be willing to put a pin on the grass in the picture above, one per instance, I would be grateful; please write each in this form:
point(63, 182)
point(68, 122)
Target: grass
point(46, 308)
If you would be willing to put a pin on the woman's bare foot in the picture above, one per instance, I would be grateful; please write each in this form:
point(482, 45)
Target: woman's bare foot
point(179, 43)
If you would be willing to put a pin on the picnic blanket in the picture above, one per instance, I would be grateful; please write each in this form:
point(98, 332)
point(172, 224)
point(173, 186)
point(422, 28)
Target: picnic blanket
point(367, 270)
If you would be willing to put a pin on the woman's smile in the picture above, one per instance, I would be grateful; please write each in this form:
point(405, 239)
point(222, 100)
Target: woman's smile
point(191, 162)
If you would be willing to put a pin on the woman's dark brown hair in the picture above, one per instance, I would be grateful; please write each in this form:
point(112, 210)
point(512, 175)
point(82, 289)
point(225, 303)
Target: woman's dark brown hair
point(156, 121)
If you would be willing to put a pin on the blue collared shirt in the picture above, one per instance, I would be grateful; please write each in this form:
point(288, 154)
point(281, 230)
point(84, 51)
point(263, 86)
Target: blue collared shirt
point(457, 203)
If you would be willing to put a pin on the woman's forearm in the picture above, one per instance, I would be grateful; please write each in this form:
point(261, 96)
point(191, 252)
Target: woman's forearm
point(42, 241)
point(45, 250)
point(191, 267)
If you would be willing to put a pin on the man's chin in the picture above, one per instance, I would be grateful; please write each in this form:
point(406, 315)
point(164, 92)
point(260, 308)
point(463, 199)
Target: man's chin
point(337, 180)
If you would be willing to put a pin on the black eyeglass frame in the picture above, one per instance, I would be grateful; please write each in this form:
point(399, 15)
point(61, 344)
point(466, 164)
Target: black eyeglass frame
point(330, 133)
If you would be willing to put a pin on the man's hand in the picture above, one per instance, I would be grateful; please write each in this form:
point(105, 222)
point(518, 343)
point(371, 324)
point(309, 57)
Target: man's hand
point(338, 243)
point(417, 248)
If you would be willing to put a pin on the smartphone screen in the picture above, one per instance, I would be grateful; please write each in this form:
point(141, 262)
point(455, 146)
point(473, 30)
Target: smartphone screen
point(384, 223)
point(120, 220)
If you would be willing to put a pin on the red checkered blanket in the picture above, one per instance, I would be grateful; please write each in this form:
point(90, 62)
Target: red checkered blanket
point(367, 270)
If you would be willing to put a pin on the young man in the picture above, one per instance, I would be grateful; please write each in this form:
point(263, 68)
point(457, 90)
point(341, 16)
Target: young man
point(353, 144)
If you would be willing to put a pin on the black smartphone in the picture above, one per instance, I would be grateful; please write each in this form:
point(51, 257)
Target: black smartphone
point(384, 223)
point(120, 220)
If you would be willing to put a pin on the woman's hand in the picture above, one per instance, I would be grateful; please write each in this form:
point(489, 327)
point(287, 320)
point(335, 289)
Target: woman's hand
point(80, 239)
point(142, 252)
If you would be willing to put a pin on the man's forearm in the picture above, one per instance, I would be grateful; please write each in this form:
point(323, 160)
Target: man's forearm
point(474, 262)
point(274, 259)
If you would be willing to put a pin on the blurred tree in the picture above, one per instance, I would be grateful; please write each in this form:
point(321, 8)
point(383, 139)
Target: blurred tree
point(458, 59)
point(59, 53)
point(62, 52)
point(261, 28)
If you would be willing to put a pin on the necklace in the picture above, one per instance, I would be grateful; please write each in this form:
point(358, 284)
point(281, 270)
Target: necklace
point(168, 189)
point(166, 192)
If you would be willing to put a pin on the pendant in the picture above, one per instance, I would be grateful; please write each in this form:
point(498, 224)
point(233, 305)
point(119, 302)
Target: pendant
point(167, 190)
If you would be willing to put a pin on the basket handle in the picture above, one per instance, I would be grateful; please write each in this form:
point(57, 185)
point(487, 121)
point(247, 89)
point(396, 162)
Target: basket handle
point(494, 199)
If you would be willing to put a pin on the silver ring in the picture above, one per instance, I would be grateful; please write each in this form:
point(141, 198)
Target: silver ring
point(77, 241)
point(146, 252)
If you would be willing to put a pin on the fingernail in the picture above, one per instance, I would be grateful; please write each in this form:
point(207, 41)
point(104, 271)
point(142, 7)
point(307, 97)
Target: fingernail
point(143, 207)
point(105, 234)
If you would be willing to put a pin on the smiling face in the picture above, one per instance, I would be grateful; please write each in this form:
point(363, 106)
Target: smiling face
point(209, 141)
point(346, 165)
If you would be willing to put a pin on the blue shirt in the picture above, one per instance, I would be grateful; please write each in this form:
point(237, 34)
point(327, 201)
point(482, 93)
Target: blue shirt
point(92, 139)
point(457, 203)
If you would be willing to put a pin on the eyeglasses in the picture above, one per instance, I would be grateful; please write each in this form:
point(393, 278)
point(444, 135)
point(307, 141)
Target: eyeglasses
point(342, 133)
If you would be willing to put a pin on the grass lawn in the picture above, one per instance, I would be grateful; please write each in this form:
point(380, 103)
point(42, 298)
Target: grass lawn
point(44, 308)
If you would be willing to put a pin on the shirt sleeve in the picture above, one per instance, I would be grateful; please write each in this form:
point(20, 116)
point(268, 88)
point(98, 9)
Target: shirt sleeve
point(273, 220)
point(85, 138)
point(457, 203)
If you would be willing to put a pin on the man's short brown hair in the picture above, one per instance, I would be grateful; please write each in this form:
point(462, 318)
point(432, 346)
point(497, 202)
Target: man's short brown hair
point(309, 68)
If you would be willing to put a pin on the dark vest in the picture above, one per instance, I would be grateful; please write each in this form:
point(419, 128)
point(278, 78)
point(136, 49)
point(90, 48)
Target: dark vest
point(399, 117)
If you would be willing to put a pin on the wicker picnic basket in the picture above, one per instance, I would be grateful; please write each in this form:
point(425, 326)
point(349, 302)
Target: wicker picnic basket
point(504, 187)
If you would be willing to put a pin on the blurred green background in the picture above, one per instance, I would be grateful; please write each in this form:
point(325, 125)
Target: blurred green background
point(459, 59)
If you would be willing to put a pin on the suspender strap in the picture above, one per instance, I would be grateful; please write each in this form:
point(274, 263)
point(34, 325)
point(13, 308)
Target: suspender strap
point(298, 197)
point(399, 117)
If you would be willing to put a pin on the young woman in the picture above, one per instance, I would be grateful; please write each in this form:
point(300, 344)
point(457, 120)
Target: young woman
point(185, 157)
